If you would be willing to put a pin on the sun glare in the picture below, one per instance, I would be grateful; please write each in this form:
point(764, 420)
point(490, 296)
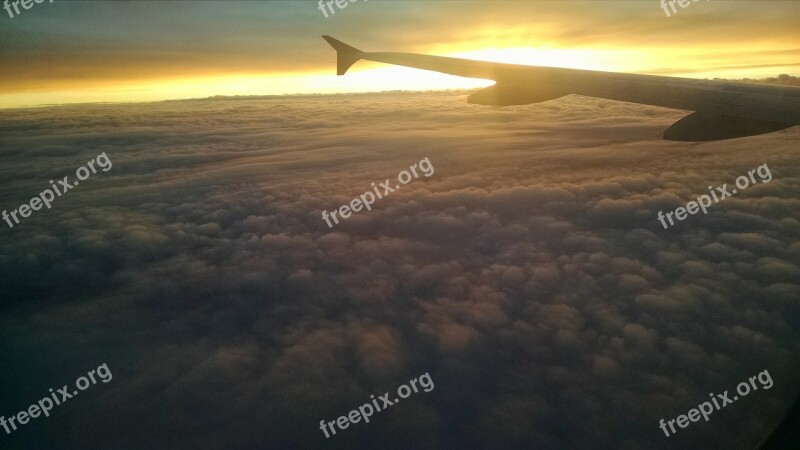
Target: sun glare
point(551, 57)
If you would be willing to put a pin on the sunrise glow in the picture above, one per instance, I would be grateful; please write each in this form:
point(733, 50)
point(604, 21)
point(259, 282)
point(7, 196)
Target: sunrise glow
point(52, 72)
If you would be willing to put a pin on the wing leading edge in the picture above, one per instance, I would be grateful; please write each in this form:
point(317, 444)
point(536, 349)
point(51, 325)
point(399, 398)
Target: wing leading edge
point(722, 109)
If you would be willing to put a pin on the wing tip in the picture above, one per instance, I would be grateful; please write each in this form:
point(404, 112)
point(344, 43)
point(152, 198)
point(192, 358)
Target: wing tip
point(346, 55)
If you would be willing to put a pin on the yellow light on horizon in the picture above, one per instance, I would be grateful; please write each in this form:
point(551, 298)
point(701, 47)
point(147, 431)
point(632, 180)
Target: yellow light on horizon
point(374, 77)
point(385, 78)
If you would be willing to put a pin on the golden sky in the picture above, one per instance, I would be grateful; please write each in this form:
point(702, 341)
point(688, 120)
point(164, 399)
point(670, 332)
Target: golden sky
point(96, 51)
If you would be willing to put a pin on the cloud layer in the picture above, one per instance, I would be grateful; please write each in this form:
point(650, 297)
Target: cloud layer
point(529, 275)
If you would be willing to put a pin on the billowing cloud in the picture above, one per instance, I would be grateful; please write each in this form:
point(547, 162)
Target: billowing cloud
point(528, 275)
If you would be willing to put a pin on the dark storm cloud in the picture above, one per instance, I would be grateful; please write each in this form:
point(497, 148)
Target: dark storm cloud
point(528, 274)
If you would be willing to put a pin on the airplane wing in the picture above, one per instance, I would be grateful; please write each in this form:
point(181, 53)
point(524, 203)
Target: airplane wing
point(722, 109)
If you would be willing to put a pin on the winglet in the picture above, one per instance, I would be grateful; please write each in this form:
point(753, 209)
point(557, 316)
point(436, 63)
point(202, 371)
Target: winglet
point(346, 56)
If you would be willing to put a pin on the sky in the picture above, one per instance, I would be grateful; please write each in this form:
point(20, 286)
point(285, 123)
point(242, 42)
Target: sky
point(96, 51)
